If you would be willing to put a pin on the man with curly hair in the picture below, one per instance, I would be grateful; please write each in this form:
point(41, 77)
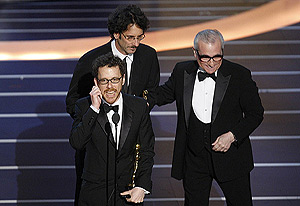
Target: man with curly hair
point(109, 124)
point(127, 26)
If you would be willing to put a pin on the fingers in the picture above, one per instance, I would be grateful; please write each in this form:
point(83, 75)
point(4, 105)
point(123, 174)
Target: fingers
point(96, 95)
point(95, 92)
point(125, 193)
point(136, 195)
point(95, 82)
point(220, 147)
point(222, 144)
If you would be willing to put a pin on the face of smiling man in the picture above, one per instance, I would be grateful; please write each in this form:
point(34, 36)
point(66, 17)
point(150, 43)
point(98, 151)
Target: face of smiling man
point(110, 91)
point(210, 50)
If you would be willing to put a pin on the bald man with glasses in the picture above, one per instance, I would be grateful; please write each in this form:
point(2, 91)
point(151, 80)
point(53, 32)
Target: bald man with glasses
point(218, 107)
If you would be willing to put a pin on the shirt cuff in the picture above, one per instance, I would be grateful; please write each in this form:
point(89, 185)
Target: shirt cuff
point(146, 192)
point(95, 109)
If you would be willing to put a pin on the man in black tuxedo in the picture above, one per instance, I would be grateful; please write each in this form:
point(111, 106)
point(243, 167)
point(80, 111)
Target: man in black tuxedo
point(127, 26)
point(109, 124)
point(218, 107)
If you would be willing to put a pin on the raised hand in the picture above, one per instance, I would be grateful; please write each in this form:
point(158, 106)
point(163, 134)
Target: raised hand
point(96, 95)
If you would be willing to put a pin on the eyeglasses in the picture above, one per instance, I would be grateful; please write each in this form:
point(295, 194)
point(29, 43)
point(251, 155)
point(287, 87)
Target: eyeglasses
point(105, 81)
point(133, 38)
point(206, 58)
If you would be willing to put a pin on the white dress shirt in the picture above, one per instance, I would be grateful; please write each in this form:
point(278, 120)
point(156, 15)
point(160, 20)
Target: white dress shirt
point(109, 116)
point(202, 99)
point(112, 125)
point(129, 58)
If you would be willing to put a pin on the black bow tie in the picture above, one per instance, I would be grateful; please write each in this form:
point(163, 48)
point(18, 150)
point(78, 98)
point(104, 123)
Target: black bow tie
point(107, 108)
point(202, 76)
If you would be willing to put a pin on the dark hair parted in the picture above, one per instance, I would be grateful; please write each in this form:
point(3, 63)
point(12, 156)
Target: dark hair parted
point(123, 16)
point(107, 60)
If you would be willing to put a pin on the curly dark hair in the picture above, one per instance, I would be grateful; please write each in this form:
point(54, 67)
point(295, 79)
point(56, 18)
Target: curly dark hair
point(123, 16)
point(107, 60)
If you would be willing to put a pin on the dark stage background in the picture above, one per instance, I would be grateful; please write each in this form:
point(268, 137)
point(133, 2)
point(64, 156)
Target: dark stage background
point(36, 160)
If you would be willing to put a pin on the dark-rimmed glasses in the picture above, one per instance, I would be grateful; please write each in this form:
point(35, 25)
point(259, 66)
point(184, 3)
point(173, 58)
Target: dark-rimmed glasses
point(133, 38)
point(206, 58)
point(105, 81)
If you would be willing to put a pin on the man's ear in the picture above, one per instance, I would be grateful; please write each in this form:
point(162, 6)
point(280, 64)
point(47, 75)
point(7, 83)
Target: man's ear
point(123, 80)
point(116, 35)
point(194, 52)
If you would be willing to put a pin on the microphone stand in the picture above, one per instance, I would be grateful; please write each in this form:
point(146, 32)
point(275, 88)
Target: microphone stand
point(108, 131)
point(115, 119)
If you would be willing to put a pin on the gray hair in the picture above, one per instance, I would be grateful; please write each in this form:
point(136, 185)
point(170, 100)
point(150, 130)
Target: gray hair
point(208, 36)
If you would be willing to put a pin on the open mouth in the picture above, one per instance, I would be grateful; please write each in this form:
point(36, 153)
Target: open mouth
point(112, 92)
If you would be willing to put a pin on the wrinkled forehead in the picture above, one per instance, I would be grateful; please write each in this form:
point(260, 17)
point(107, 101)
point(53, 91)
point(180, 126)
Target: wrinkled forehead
point(210, 49)
point(109, 72)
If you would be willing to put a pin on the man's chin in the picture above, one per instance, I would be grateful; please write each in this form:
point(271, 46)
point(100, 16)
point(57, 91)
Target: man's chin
point(131, 51)
point(109, 99)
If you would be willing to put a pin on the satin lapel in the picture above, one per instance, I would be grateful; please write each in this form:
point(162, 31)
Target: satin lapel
point(126, 123)
point(189, 81)
point(221, 87)
point(133, 73)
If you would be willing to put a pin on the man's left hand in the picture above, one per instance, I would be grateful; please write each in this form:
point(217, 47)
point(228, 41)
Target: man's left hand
point(223, 142)
point(137, 195)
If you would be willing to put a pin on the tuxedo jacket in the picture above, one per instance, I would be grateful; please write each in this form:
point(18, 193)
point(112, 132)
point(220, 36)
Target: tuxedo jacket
point(236, 107)
point(91, 131)
point(145, 74)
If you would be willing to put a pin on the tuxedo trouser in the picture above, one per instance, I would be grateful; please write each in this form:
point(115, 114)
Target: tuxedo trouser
point(197, 182)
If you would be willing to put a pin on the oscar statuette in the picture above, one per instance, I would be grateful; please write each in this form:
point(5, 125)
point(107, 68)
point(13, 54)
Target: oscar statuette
point(145, 93)
point(135, 167)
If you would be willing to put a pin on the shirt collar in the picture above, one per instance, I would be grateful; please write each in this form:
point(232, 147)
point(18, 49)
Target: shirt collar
point(200, 69)
point(117, 53)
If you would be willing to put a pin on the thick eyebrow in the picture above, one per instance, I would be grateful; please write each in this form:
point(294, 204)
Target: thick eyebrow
point(134, 36)
point(210, 56)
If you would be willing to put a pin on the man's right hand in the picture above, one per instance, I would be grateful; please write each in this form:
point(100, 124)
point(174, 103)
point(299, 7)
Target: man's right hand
point(96, 95)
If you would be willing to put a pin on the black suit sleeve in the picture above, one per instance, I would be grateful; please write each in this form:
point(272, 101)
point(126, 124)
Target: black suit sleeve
point(84, 120)
point(81, 84)
point(165, 93)
point(146, 140)
point(251, 106)
point(153, 81)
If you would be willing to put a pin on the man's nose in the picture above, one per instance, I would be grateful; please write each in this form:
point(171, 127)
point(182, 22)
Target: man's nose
point(211, 62)
point(109, 84)
point(136, 42)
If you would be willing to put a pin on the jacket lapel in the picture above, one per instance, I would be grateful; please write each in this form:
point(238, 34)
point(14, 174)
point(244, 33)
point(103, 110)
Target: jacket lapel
point(133, 75)
point(221, 87)
point(101, 141)
point(126, 122)
point(189, 81)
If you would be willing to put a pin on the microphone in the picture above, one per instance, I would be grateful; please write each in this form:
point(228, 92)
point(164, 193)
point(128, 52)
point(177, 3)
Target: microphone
point(116, 118)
